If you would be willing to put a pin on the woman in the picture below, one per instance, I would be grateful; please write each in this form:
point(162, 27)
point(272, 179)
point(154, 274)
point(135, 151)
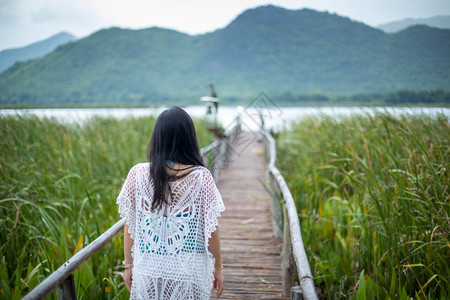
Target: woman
point(171, 207)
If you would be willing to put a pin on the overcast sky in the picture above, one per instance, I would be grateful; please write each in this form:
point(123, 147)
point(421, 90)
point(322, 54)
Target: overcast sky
point(25, 21)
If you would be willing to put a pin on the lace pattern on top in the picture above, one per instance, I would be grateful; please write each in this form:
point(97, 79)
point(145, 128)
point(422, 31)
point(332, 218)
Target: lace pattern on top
point(170, 250)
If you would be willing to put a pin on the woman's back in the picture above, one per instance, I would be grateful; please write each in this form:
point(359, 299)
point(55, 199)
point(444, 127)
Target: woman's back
point(170, 250)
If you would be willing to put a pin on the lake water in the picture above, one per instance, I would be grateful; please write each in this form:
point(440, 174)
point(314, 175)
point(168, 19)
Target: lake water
point(275, 117)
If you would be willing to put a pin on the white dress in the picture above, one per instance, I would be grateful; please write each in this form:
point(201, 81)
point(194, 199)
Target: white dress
point(170, 250)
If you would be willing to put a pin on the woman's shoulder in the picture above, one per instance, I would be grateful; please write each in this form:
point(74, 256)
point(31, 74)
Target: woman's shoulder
point(205, 172)
point(202, 169)
point(142, 167)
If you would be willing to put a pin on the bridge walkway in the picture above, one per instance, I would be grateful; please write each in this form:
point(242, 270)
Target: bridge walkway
point(250, 253)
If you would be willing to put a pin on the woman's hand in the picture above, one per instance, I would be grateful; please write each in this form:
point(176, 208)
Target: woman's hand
point(128, 278)
point(218, 281)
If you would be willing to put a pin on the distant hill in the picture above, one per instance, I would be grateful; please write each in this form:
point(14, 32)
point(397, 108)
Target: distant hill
point(268, 49)
point(10, 56)
point(442, 22)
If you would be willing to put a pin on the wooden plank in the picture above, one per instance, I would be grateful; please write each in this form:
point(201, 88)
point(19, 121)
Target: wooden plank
point(250, 253)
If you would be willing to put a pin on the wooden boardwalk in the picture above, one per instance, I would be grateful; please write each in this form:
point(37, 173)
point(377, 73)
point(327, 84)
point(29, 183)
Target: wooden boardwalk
point(250, 253)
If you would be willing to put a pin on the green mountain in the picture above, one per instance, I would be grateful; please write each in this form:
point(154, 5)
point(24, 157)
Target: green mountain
point(10, 56)
point(268, 49)
point(437, 21)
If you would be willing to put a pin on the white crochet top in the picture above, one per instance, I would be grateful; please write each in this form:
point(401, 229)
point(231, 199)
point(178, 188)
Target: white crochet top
point(170, 250)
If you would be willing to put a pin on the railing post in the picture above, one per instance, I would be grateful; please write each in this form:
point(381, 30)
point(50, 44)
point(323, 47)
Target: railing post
point(223, 153)
point(287, 258)
point(275, 205)
point(215, 162)
point(66, 290)
point(296, 293)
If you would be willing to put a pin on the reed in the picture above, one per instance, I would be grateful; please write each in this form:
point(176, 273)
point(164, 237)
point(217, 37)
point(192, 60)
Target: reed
point(373, 201)
point(59, 182)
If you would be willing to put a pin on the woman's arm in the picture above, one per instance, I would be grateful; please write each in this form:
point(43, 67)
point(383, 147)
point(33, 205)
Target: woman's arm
point(214, 247)
point(128, 259)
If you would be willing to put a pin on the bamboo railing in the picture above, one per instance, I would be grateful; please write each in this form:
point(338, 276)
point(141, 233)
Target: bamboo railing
point(62, 280)
point(215, 155)
point(286, 224)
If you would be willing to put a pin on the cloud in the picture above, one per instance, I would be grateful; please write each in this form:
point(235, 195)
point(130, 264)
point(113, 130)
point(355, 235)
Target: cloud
point(64, 11)
point(9, 12)
point(45, 13)
point(26, 21)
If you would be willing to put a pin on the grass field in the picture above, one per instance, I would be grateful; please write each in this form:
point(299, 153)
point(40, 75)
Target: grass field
point(59, 183)
point(373, 198)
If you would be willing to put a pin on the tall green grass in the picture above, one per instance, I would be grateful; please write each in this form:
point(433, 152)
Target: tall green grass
point(372, 193)
point(59, 182)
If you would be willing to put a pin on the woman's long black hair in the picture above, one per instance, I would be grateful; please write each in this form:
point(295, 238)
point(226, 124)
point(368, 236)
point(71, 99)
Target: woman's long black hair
point(173, 139)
